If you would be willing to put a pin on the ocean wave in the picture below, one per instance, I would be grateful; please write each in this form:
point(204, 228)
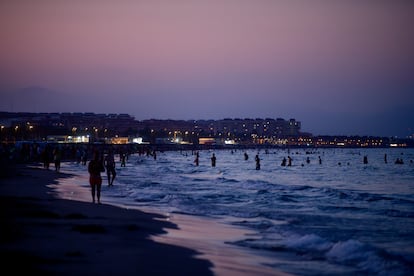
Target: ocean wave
point(307, 242)
point(350, 253)
point(227, 180)
point(368, 258)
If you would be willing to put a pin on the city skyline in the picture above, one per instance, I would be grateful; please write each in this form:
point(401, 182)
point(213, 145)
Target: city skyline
point(73, 128)
point(341, 68)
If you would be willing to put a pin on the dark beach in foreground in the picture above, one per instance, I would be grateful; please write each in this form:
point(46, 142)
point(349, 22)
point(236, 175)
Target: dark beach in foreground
point(43, 234)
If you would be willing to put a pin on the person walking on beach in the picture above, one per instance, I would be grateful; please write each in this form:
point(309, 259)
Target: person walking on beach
point(213, 160)
point(95, 168)
point(57, 157)
point(110, 168)
point(84, 157)
point(46, 157)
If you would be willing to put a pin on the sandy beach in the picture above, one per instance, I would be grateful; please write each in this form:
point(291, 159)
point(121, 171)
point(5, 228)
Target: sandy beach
point(44, 233)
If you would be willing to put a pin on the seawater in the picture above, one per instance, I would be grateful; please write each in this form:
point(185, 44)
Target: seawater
point(340, 217)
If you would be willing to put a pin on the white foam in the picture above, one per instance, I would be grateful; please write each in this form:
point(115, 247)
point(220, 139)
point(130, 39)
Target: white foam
point(310, 242)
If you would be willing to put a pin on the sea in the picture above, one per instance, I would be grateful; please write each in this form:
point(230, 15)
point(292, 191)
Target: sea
point(339, 216)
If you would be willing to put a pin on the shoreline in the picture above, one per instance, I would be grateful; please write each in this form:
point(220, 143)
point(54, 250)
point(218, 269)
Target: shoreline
point(44, 234)
point(208, 236)
point(55, 234)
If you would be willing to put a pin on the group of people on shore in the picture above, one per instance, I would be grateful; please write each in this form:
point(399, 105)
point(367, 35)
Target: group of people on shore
point(49, 155)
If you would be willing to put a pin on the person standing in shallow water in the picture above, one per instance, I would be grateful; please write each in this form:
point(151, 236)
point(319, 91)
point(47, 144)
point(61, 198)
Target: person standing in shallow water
point(110, 168)
point(257, 159)
point(95, 168)
point(122, 158)
point(196, 160)
point(213, 160)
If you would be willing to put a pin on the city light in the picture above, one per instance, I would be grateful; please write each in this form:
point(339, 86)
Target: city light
point(226, 132)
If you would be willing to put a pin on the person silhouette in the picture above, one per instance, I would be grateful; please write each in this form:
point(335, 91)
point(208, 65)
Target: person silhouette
point(123, 159)
point(95, 167)
point(57, 158)
point(110, 168)
point(196, 160)
point(45, 155)
point(213, 160)
point(257, 159)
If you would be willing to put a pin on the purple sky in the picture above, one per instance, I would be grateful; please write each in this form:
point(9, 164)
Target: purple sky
point(339, 67)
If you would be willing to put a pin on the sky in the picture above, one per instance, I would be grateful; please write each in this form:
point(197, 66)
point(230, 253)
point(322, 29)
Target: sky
point(338, 67)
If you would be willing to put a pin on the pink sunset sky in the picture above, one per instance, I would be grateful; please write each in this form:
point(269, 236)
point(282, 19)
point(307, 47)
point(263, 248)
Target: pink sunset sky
point(339, 67)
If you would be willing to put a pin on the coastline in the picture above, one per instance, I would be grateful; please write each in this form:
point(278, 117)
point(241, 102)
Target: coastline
point(52, 234)
point(44, 234)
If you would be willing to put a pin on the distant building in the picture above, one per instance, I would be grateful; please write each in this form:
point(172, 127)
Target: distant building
point(101, 127)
